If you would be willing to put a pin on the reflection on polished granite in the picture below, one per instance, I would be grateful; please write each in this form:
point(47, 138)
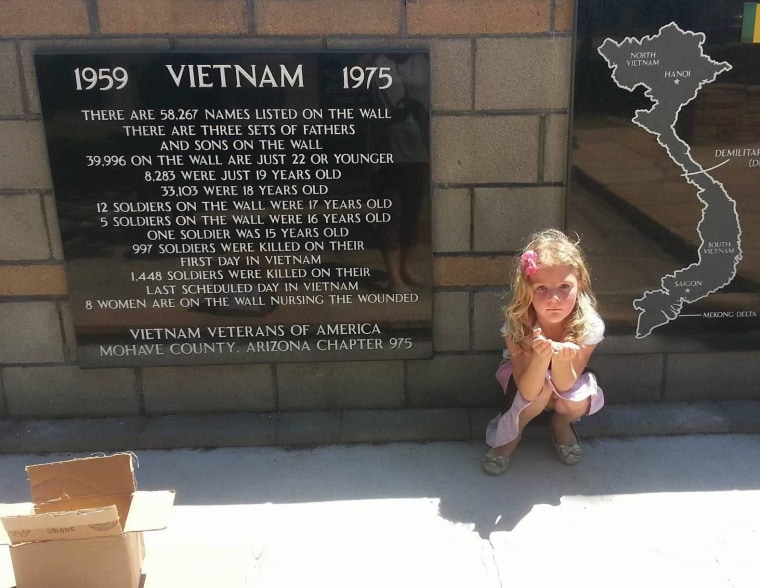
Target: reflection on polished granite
point(638, 217)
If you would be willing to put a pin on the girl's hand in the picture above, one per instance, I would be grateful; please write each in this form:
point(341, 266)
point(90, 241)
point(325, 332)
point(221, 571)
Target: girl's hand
point(566, 351)
point(542, 346)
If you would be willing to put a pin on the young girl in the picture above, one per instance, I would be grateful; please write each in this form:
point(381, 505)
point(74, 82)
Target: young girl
point(551, 330)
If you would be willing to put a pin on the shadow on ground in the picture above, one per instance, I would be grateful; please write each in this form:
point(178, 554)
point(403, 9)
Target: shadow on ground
point(446, 472)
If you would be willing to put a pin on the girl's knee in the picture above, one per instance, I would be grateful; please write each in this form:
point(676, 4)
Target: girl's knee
point(543, 400)
point(533, 409)
point(570, 408)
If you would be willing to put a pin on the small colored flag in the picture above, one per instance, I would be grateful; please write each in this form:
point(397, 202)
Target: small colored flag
point(751, 23)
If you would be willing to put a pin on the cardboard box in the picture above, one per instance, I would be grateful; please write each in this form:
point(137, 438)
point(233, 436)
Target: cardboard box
point(84, 526)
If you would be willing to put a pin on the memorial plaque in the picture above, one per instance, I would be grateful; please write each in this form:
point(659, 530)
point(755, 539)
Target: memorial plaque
point(242, 207)
point(665, 167)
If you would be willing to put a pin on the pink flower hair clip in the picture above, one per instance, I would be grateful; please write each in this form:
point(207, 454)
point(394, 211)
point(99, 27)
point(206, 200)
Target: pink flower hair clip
point(528, 262)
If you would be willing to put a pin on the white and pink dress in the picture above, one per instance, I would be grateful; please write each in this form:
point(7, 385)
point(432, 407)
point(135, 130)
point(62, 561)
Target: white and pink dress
point(504, 428)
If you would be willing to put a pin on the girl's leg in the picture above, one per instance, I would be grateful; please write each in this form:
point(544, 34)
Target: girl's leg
point(565, 413)
point(566, 443)
point(530, 412)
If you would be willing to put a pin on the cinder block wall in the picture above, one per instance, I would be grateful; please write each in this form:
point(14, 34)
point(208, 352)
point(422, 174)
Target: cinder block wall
point(500, 96)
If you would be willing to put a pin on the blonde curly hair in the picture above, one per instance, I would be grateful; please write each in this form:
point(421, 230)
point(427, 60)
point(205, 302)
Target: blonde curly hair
point(552, 247)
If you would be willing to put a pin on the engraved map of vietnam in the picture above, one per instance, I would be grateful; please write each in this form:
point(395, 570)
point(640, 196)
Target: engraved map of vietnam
point(673, 68)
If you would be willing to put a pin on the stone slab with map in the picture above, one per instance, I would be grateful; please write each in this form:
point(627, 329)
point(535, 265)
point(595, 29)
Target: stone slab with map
point(673, 68)
point(664, 169)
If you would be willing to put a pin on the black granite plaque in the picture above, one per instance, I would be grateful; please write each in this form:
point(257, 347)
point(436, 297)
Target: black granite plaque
point(665, 167)
point(242, 207)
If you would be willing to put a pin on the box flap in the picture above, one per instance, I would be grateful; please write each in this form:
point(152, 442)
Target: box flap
point(150, 510)
point(97, 522)
point(83, 483)
point(12, 510)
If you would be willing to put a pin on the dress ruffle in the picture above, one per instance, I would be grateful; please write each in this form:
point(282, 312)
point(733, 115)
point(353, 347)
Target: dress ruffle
point(504, 428)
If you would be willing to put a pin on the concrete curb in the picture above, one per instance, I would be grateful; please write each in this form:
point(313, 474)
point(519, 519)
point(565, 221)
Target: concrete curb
point(298, 429)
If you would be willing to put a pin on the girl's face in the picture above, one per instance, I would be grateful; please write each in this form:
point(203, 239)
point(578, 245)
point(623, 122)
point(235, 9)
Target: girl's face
point(555, 290)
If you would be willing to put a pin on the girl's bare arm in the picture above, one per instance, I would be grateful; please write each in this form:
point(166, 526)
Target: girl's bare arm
point(529, 367)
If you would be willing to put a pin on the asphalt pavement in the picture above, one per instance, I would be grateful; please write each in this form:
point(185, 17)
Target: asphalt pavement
point(655, 511)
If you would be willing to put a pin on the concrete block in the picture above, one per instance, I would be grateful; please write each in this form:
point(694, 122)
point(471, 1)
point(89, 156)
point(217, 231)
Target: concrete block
point(361, 43)
point(437, 17)
point(555, 148)
point(454, 381)
point(479, 419)
point(338, 385)
point(744, 415)
point(11, 103)
point(668, 418)
point(68, 391)
point(209, 430)
point(25, 18)
point(488, 317)
point(69, 334)
point(703, 376)
point(470, 271)
point(269, 44)
point(22, 224)
point(505, 217)
point(54, 231)
point(3, 407)
point(411, 425)
point(32, 280)
point(66, 435)
point(308, 428)
point(629, 378)
point(326, 17)
point(451, 321)
point(30, 332)
point(523, 73)
point(452, 63)
point(23, 156)
point(451, 220)
point(484, 149)
point(222, 17)
point(563, 15)
point(594, 425)
point(209, 389)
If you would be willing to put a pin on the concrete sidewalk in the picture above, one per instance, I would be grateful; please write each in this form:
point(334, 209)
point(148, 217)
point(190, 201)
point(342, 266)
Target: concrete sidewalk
point(298, 429)
point(647, 511)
